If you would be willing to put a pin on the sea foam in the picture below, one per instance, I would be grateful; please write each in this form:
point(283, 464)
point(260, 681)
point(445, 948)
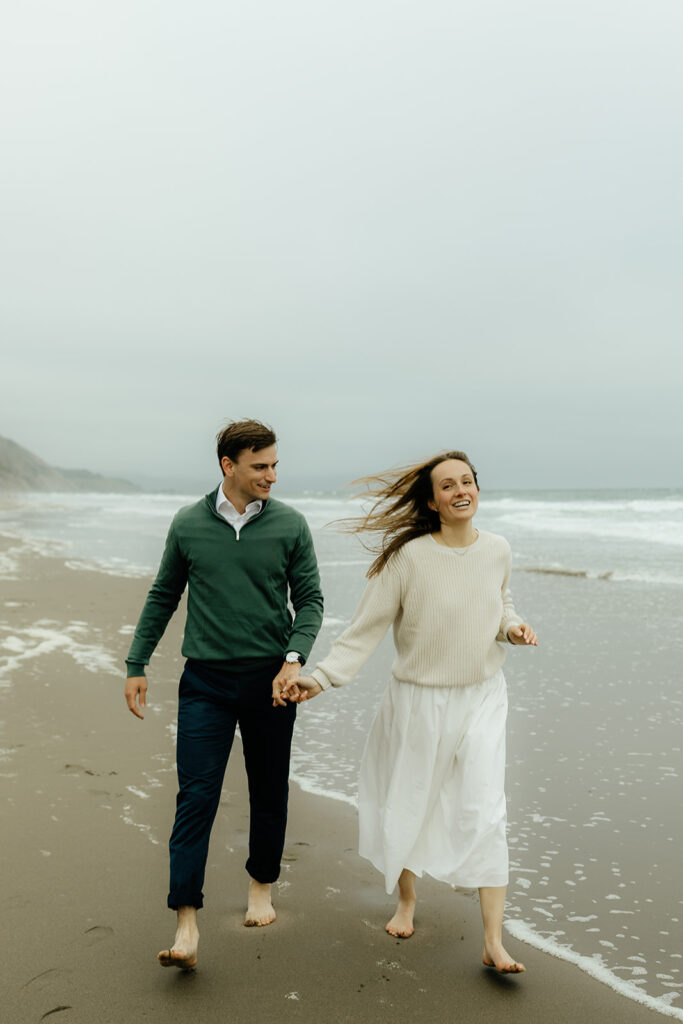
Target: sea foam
point(595, 967)
point(43, 639)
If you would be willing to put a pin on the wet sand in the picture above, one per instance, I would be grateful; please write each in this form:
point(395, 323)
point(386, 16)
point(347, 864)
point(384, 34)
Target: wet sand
point(87, 797)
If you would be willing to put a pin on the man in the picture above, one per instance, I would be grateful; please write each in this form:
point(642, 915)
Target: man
point(242, 553)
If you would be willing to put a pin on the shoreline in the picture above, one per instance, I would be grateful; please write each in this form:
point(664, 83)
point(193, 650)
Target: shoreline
point(88, 803)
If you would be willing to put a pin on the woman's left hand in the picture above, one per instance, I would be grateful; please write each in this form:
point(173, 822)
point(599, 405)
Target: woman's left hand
point(522, 634)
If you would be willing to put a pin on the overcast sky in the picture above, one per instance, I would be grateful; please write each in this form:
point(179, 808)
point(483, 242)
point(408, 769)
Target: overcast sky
point(384, 227)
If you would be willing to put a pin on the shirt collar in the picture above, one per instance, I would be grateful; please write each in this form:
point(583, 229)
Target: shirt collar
point(221, 499)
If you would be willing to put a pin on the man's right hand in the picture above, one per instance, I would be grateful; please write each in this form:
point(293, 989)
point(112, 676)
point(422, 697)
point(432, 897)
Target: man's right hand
point(136, 687)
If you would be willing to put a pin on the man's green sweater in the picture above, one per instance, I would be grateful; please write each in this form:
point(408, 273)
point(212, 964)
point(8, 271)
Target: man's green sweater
point(237, 608)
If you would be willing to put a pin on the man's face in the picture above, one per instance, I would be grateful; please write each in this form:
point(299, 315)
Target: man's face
point(252, 474)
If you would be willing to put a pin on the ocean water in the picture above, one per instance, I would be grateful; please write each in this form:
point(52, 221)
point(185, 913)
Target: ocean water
point(596, 713)
point(621, 535)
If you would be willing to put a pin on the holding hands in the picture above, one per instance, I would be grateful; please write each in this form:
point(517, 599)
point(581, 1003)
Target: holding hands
point(522, 634)
point(290, 685)
point(306, 688)
point(286, 684)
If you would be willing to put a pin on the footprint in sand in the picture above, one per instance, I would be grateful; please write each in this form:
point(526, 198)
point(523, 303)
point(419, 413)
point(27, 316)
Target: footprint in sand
point(44, 979)
point(80, 769)
point(98, 933)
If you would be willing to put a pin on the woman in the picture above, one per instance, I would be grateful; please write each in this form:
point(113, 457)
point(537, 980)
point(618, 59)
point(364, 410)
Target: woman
point(431, 790)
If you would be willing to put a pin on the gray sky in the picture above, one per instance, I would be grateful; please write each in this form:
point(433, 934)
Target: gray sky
point(384, 227)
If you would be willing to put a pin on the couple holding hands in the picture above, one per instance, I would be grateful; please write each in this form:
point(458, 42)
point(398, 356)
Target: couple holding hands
point(431, 792)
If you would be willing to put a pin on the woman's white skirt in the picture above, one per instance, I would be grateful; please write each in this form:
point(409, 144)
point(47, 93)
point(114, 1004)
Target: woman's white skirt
point(431, 794)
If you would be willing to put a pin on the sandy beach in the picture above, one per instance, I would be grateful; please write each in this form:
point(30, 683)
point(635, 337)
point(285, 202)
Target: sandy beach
point(87, 803)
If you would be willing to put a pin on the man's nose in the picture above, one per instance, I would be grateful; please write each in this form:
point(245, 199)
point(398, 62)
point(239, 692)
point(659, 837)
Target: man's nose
point(271, 476)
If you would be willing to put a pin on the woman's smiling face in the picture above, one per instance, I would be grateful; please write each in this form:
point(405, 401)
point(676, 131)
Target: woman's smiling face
point(456, 495)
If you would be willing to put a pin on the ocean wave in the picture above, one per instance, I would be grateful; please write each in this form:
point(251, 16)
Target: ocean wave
point(608, 575)
point(344, 505)
point(306, 786)
point(11, 557)
point(111, 567)
point(643, 530)
point(595, 967)
point(606, 506)
point(548, 570)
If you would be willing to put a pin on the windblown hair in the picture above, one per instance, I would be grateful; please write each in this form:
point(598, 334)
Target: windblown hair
point(241, 435)
point(400, 511)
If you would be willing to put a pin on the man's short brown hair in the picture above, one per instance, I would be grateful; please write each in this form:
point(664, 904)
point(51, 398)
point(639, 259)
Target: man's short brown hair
point(243, 435)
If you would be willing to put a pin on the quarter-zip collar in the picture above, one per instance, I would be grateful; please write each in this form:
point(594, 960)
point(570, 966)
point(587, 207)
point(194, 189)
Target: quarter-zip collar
point(210, 500)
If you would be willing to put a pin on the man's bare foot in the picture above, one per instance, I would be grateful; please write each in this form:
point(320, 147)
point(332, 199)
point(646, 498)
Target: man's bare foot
point(495, 955)
point(401, 924)
point(259, 907)
point(183, 952)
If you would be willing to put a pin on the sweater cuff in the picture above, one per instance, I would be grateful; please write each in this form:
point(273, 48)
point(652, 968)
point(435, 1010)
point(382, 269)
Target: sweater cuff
point(134, 668)
point(321, 678)
point(506, 625)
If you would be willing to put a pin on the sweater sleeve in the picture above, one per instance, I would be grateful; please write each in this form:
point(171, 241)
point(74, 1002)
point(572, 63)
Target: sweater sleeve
point(510, 617)
point(378, 608)
point(162, 601)
point(305, 594)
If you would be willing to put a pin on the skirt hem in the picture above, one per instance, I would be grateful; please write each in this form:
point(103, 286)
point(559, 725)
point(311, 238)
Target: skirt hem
point(455, 881)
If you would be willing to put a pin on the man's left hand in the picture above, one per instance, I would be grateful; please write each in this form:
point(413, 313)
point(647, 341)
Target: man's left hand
point(285, 683)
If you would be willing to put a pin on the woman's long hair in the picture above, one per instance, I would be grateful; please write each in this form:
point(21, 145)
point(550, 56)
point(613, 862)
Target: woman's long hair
point(400, 510)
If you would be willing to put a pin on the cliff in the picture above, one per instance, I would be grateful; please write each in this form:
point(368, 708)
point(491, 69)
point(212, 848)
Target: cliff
point(21, 470)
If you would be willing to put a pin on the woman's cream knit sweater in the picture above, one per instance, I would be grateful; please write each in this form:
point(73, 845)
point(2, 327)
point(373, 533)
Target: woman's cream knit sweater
point(449, 608)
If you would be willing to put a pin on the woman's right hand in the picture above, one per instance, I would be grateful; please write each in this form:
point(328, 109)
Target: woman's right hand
point(308, 688)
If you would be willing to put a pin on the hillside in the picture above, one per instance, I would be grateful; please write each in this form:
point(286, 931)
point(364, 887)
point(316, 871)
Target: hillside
point(21, 470)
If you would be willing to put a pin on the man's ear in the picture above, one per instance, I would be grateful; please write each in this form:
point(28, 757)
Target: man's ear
point(227, 465)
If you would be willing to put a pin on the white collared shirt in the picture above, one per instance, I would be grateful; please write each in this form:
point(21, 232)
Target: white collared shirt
point(225, 508)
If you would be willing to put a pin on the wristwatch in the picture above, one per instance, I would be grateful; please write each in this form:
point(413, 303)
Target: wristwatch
point(292, 656)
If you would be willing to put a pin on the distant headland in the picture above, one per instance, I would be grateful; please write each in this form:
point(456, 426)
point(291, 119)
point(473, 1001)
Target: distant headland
point(21, 470)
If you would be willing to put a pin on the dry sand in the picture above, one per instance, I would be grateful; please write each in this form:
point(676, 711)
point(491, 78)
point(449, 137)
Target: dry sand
point(87, 802)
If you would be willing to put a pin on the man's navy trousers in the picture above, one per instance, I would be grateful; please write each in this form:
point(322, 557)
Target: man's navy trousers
point(211, 702)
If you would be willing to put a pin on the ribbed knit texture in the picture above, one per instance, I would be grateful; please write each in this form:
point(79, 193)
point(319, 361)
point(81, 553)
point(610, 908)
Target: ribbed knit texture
point(448, 607)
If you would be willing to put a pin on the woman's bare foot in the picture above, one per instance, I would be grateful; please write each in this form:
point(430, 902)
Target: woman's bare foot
point(495, 955)
point(492, 900)
point(183, 952)
point(259, 907)
point(401, 924)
